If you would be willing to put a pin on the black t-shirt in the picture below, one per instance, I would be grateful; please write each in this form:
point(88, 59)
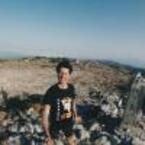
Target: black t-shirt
point(61, 102)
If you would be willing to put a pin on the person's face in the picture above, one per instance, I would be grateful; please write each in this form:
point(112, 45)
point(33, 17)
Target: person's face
point(63, 75)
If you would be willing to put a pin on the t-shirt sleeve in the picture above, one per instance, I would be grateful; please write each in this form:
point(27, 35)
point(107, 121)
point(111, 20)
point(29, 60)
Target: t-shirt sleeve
point(47, 97)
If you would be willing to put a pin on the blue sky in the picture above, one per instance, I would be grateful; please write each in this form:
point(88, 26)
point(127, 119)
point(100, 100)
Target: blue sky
point(104, 29)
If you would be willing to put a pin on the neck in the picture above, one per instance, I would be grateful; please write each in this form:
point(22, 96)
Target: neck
point(63, 86)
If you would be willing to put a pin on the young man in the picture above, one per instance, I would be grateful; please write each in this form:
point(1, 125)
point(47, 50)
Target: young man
point(59, 106)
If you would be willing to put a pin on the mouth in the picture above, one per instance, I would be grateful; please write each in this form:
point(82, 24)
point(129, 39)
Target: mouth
point(66, 111)
point(62, 80)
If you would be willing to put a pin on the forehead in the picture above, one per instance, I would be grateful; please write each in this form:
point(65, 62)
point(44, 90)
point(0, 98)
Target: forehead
point(64, 70)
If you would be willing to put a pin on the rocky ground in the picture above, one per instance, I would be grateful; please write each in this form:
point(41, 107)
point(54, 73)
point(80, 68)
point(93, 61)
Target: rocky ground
point(103, 91)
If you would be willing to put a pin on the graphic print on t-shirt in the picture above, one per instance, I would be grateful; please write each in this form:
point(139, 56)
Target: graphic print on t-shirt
point(58, 109)
point(66, 104)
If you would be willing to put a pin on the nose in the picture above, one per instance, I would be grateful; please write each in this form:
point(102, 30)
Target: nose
point(62, 75)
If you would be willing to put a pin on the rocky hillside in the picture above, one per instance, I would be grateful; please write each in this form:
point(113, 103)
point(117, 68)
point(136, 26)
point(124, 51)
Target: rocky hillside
point(102, 95)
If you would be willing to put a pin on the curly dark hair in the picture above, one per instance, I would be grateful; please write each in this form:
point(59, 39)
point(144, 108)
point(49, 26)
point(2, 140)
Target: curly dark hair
point(64, 64)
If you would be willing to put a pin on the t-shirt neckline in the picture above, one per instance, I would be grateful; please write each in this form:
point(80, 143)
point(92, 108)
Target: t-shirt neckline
point(61, 88)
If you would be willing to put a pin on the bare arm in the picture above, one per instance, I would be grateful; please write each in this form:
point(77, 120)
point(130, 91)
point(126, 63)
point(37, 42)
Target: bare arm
point(45, 120)
point(77, 118)
point(74, 109)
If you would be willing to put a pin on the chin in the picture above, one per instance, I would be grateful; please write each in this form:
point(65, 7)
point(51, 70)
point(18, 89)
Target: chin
point(63, 82)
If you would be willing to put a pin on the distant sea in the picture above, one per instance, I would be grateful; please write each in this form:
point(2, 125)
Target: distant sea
point(16, 55)
point(10, 55)
point(133, 62)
